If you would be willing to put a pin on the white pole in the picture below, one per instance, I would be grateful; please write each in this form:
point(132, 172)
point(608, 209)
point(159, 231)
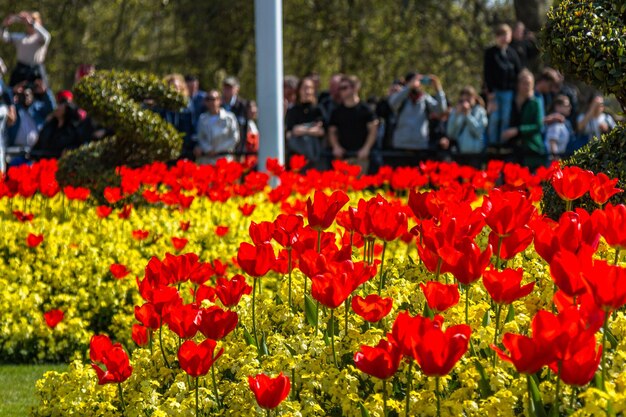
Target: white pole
point(269, 79)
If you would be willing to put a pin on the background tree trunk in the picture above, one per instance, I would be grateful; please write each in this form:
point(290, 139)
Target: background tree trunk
point(532, 12)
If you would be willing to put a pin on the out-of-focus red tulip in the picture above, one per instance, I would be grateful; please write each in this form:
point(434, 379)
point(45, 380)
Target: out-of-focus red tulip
point(179, 243)
point(53, 317)
point(140, 335)
point(34, 240)
point(119, 271)
point(140, 234)
point(221, 231)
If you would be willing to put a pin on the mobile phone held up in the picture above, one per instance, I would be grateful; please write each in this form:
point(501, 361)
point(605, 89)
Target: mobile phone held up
point(425, 80)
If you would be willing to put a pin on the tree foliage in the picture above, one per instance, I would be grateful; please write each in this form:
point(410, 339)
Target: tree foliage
point(378, 40)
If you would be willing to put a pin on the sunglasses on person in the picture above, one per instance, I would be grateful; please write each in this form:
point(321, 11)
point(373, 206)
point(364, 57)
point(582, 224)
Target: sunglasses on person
point(211, 98)
point(345, 87)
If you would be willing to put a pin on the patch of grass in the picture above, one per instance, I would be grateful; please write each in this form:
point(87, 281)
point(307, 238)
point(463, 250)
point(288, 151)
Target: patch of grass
point(17, 387)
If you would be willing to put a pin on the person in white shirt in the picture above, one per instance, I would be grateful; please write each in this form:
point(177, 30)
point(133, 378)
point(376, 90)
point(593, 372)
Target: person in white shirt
point(218, 132)
point(559, 131)
point(31, 47)
point(595, 122)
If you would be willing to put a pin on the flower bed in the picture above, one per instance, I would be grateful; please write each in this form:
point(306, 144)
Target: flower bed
point(405, 303)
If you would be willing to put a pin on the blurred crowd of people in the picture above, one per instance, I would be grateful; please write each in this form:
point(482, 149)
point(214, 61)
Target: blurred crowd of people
point(519, 116)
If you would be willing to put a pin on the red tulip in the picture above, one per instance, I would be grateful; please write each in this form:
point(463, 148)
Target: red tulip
point(76, 193)
point(528, 355)
point(566, 269)
point(269, 392)
point(140, 335)
point(571, 183)
point(125, 211)
point(53, 317)
point(606, 283)
point(247, 209)
point(441, 350)
point(220, 231)
point(140, 234)
point(147, 315)
point(257, 260)
point(331, 290)
point(387, 222)
point(215, 323)
point(381, 361)
point(230, 292)
point(103, 211)
point(23, 217)
point(34, 240)
point(322, 210)
point(197, 359)
point(184, 225)
point(504, 286)
point(470, 267)
point(204, 292)
point(602, 188)
point(297, 162)
point(119, 271)
point(614, 232)
point(179, 243)
point(406, 331)
point(261, 233)
point(372, 308)
point(287, 228)
point(181, 318)
point(421, 204)
point(113, 194)
point(440, 297)
point(114, 359)
point(514, 243)
point(581, 360)
point(506, 211)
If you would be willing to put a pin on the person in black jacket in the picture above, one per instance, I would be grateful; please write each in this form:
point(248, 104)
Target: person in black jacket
point(502, 67)
point(60, 132)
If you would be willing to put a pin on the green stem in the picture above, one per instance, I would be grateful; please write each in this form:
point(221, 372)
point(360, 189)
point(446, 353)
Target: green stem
point(317, 316)
point(331, 324)
point(289, 270)
point(605, 329)
point(531, 410)
point(119, 389)
point(161, 345)
point(215, 392)
point(467, 290)
point(438, 270)
point(438, 395)
point(197, 398)
point(495, 334)
point(557, 393)
point(381, 283)
point(346, 305)
point(319, 241)
point(500, 239)
point(568, 205)
point(616, 256)
point(384, 398)
point(256, 339)
point(409, 380)
point(268, 412)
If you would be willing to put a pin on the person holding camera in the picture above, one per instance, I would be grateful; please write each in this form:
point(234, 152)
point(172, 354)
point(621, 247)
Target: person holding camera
point(467, 125)
point(413, 108)
point(31, 46)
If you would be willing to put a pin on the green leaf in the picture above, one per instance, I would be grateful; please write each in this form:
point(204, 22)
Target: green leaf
point(310, 310)
point(428, 312)
point(263, 346)
point(535, 398)
point(291, 350)
point(510, 316)
point(611, 338)
point(248, 337)
point(486, 319)
point(364, 412)
point(483, 384)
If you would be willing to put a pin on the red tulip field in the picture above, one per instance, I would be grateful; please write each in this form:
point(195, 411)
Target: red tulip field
point(202, 291)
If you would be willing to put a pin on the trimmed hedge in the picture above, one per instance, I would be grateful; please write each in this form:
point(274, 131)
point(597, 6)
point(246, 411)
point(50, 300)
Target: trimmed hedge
point(113, 99)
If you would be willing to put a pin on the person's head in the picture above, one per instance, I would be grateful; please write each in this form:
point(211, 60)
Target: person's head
point(315, 77)
point(546, 81)
point(290, 88)
point(333, 87)
point(306, 91)
point(519, 31)
point(177, 81)
point(34, 16)
point(596, 103)
point(395, 86)
point(349, 86)
point(251, 110)
point(503, 35)
point(562, 105)
point(193, 84)
point(469, 94)
point(525, 84)
point(39, 87)
point(213, 101)
point(25, 96)
point(230, 88)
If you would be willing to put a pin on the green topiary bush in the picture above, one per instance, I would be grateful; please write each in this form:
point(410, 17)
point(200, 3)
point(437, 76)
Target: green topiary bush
point(114, 100)
point(588, 40)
